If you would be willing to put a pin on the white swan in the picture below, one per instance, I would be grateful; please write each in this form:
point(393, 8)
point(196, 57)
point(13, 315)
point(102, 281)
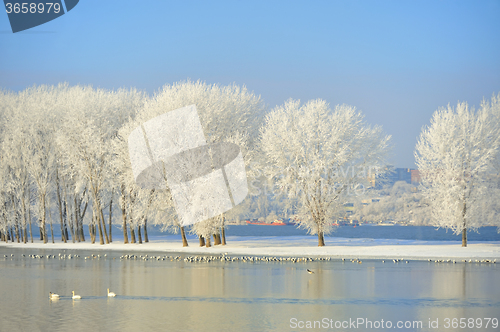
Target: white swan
point(111, 294)
point(76, 297)
point(53, 296)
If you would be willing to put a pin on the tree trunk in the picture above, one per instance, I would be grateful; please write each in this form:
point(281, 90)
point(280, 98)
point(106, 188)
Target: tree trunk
point(79, 228)
point(29, 217)
point(92, 230)
point(132, 234)
point(321, 239)
point(70, 219)
point(16, 227)
point(124, 214)
point(99, 226)
point(223, 236)
point(51, 231)
point(43, 221)
point(80, 218)
point(80, 221)
point(104, 226)
point(146, 239)
point(59, 206)
point(41, 234)
point(82, 233)
point(16, 220)
point(66, 226)
point(207, 242)
point(202, 241)
point(216, 239)
point(464, 229)
point(72, 229)
point(139, 235)
point(110, 219)
point(125, 235)
point(184, 239)
point(223, 230)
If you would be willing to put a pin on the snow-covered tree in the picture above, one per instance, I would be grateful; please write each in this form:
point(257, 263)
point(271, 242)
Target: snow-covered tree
point(227, 114)
point(455, 155)
point(92, 120)
point(18, 180)
point(56, 155)
point(491, 206)
point(318, 155)
point(38, 117)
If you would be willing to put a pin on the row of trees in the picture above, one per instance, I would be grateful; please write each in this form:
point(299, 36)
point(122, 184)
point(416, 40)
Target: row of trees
point(65, 160)
point(65, 157)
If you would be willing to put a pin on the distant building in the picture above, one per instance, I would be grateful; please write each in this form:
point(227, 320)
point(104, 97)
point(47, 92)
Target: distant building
point(393, 175)
point(415, 176)
point(349, 208)
point(402, 174)
point(369, 201)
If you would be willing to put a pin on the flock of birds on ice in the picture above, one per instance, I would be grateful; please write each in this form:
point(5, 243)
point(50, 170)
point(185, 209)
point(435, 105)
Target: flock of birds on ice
point(225, 258)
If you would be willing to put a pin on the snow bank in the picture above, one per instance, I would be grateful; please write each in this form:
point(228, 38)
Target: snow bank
point(297, 246)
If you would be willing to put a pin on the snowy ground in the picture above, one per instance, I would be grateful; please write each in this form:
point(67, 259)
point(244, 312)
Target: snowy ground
point(299, 246)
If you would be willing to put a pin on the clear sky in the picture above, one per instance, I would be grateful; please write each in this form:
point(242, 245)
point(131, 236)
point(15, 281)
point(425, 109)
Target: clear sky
point(396, 61)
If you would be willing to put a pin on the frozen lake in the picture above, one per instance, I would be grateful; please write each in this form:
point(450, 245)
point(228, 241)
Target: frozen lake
point(236, 296)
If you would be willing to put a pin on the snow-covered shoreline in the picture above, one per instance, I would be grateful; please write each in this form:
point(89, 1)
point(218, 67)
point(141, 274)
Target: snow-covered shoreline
point(297, 246)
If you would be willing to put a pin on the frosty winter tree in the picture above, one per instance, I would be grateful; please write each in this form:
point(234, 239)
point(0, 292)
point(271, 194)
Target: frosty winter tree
point(319, 154)
point(227, 114)
point(454, 155)
point(56, 154)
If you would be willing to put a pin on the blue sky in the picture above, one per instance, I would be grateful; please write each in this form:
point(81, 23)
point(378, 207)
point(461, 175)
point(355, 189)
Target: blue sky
point(396, 61)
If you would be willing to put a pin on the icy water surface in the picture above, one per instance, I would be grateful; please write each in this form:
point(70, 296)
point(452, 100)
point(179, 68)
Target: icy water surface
point(173, 295)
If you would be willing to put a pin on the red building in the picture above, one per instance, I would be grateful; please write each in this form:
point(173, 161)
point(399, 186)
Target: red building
point(415, 176)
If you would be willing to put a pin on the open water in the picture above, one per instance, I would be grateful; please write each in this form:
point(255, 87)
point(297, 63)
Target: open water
point(174, 295)
point(425, 233)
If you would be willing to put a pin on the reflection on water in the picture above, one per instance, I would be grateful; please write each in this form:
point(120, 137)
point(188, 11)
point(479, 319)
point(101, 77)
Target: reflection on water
point(178, 296)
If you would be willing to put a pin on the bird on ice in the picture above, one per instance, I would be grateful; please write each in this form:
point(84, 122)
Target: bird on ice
point(309, 271)
point(111, 294)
